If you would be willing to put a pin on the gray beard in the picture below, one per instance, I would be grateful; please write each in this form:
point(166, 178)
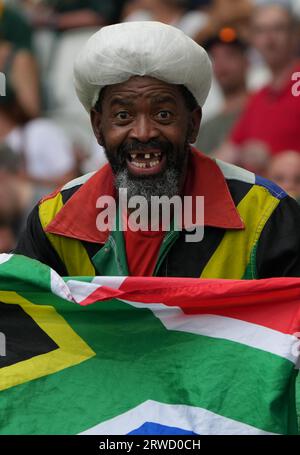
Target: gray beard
point(166, 184)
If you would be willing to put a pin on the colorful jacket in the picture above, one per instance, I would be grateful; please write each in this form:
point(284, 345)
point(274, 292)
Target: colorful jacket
point(251, 228)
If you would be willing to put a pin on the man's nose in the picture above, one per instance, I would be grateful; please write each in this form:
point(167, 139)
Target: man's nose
point(143, 129)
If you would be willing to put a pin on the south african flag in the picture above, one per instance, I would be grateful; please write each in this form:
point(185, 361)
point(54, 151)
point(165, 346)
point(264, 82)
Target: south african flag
point(129, 355)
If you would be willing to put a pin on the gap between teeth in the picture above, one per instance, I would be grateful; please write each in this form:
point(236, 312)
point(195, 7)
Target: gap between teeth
point(146, 156)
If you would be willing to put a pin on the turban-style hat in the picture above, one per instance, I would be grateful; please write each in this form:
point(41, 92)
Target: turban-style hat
point(149, 48)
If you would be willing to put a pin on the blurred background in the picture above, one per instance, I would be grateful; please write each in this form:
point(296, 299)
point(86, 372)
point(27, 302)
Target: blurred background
point(251, 117)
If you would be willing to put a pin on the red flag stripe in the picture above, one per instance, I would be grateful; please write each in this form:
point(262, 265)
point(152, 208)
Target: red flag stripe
point(273, 303)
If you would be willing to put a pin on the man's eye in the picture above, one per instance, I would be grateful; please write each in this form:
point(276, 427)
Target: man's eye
point(164, 115)
point(122, 115)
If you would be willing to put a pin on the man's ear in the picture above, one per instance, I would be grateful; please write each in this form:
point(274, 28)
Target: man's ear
point(195, 121)
point(96, 118)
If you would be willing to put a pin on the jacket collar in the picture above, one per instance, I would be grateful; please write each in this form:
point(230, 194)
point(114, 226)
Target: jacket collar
point(77, 218)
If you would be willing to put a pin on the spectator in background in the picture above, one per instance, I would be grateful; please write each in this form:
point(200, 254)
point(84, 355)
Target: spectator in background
point(15, 28)
point(224, 13)
point(272, 115)
point(61, 28)
point(46, 153)
point(64, 15)
point(230, 64)
point(81, 13)
point(173, 12)
point(17, 197)
point(44, 149)
point(20, 69)
point(17, 60)
point(7, 239)
point(284, 170)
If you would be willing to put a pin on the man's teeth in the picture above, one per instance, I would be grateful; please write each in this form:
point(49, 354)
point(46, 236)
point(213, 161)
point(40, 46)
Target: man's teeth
point(145, 160)
point(144, 165)
point(146, 156)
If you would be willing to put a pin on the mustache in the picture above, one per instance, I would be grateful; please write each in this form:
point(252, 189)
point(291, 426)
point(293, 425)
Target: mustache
point(118, 158)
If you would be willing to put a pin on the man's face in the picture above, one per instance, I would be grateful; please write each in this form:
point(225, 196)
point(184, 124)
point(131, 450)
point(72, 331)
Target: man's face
point(230, 66)
point(145, 128)
point(273, 35)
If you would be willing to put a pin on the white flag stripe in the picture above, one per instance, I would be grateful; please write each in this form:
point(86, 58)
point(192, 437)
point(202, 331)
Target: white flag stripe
point(247, 333)
point(113, 282)
point(81, 290)
point(190, 418)
point(59, 287)
point(4, 257)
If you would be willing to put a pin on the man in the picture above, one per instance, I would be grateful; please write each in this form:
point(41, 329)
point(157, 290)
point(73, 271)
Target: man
point(230, 64)
point(144, 84)
point(272, 114)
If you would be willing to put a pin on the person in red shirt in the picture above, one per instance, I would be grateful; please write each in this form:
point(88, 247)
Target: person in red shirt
point(270, 121)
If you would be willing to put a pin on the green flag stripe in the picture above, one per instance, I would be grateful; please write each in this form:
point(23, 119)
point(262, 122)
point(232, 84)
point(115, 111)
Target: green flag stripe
point(21, 274)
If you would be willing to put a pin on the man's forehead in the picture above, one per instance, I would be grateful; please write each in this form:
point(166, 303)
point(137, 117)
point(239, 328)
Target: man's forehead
point(137, 85)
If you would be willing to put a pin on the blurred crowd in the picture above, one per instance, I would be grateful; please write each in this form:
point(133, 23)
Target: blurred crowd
point(251, 118)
